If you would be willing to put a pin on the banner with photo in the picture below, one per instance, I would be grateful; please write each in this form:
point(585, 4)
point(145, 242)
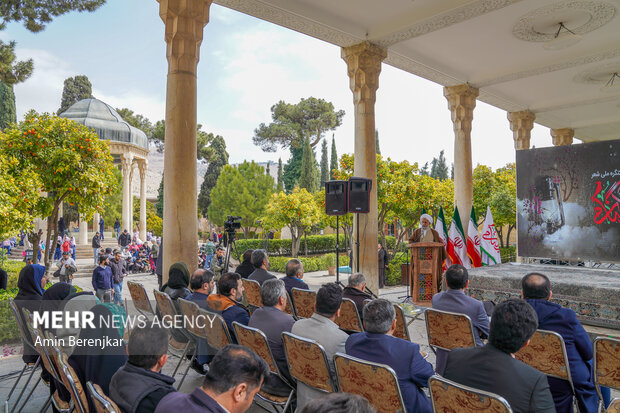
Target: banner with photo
point(568, 201)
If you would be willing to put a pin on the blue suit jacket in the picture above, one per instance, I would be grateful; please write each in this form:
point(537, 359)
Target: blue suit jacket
point(404, 358)
point(553, 317)
point(457, 302)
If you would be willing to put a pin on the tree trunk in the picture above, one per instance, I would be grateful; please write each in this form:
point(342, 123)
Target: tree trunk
point(295, 241)
point(499, 235)
point(306, 242)
point(34, 238)
point(51, 221)
point(510, 228)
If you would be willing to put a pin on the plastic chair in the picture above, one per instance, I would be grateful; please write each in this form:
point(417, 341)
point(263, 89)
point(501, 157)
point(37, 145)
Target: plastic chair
point(448, 396)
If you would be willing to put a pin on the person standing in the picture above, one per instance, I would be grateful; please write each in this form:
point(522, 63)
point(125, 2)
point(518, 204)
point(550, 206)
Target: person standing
point(154, 253)
point(427, 234)
point(61, 226)
point(383, 265)
point(72, 242)
point(102, 280)
point(66, 268)
point(124, 239)
point(101, 226)
point(117, 228)
point(217, 263)
point(96, 244)
point(117, 264)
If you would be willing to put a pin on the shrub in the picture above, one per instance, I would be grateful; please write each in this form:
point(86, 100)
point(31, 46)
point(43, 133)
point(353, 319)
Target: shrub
point(311, 264)
point(393, 272)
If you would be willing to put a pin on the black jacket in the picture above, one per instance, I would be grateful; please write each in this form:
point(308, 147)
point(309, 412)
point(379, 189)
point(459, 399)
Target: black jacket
point(245, 269)
point(96, 242)
point(357, 297)
point(118, 269)
point(261, 276)
point(124, 239)
point(137, 390)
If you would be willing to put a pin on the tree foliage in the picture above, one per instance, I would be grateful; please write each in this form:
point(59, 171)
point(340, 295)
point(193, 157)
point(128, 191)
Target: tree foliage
point(439, 167)
point(159, 206)
point(113, 203)
point(7, 105)
point(377, 148)
point(241, 191)
point(280, 183)
point(324, 165)
point(19, 195)
point(292, 123)
point(75, 89)
point(71, 163)
point(333, 163)
point(292, 169)
point(308, 176)
point(36, 14)
point(12, 72)
point(218, 159)
point(136, 120)
point(298, 211)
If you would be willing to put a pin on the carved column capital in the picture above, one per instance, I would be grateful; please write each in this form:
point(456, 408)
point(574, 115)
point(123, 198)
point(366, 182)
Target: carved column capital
point(142, 167)
point(562, 136)
point(461, 102)
point(126, 162)
point(363, 67)
point(184, 21)
point(521, 124)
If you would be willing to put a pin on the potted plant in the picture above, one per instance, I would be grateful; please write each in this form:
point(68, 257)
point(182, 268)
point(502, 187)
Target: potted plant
point(331, 263)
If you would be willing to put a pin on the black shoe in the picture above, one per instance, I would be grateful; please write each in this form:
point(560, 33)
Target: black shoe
point(198, 368)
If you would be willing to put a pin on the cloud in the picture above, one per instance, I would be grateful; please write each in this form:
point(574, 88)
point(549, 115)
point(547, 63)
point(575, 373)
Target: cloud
point(147, 104)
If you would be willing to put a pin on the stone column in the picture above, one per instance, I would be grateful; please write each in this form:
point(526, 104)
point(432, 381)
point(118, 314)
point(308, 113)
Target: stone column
point(61, 211)
point(184, 21)
point(96, 218)
point(142, 165)
point(562, 136)
point(83, 238)
point(363, 67)
point(126, 161)
point(130, 206)
point(462, 101)
point(521, 124)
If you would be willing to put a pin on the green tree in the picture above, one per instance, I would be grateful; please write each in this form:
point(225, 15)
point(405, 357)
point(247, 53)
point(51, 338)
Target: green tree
point(484, 183)
point(7, 105)
point(424, 170)
point(503, 202)
point(298, 211)
point(75, 89)
point(36, 14)
point(219, 158)
point(158, 135)
point(377, 148)
point(136, 120)
point(267, 171)
point(242, 191)
point(333, 164)
point(280, 184)
point(113, 203)
point(159, 206)
point(11, 72)
point(439, 168)
point(308, 171)
point(19, 194)
point(292, 169)
point(324, 165)
point(70, 161)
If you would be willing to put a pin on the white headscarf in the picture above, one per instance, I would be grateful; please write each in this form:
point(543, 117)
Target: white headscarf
point(428, 217)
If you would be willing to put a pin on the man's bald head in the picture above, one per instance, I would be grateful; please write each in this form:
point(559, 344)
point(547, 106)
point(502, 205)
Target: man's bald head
point(536, 286)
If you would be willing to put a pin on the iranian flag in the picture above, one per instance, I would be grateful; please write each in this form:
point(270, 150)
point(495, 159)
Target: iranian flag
point(441, 228)
point(489, 246)
point(473, 241)
point(457, 247)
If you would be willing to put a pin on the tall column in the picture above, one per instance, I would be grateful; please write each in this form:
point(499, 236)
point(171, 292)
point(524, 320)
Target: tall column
point(562, 136)
point(126, 161)
point(462, 101)
point(130, 206)
point(142, 165)
point(184, 21)
point(83, 238)
point(96, 218)
point(521, 124)
point(363, 67)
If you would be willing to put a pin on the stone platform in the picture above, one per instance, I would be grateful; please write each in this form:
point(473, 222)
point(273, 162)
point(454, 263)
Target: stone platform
point(593, 294)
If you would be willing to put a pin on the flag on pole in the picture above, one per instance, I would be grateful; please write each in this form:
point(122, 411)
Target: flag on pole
point(457, 248)
point(473, 241)
point(489, 245)
point(442, 230)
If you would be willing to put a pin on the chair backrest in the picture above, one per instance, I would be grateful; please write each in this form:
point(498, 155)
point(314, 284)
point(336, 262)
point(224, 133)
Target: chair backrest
point(218, 335)
point(446, 330)
point(252, 292)
point(193, 324)
point(164, 304)
point(289, 309)
point(139, 297)
point(349, 319)
point(448, 396)
point(20, 319)
point(102, 403)
point(71, 381)
point(547, 353)
point(401, 330)
point(257, 341)
point(304, 301)
point(376, 382)
point(307, 362)
point(607, 362)
point(42, 345)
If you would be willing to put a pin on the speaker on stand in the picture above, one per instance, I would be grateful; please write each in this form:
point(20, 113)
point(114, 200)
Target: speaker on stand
point(336, 202)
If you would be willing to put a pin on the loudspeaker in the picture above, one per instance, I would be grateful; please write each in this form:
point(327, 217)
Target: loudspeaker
point(336, 197)
point(359, 195)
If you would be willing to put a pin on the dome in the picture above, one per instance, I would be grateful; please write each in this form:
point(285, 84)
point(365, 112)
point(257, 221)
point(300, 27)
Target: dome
point(106, 122)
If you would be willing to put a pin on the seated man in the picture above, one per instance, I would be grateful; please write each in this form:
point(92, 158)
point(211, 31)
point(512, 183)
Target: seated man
point(201, 284)
point(536, 290)
point(355, 291)
point(294, 273)
point(260, 261)
point(455, 300)
point(235, 377)
point(138, 386)
point(230, 289)
point(493, 367)
point(245, 268)
point(272, 320)
point(379, 346)
point(322, 328)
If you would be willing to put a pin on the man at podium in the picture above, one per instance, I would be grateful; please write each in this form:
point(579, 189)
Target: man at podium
point(427, 234)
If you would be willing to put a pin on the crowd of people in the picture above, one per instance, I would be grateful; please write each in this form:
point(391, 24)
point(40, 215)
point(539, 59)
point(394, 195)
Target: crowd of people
point(133, 377)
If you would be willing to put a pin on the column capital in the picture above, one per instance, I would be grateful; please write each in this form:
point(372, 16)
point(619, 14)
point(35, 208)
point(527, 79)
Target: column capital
point(461, 102)
point(142, 167)
point(363, 67)
point(562, 136)
point(184, 21)
point(521, 124)
point(126, 161)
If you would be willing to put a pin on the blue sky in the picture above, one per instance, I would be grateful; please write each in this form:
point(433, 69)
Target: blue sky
point(246, 65)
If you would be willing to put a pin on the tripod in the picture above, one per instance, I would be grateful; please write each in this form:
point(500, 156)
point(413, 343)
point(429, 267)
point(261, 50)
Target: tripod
point(230, 237)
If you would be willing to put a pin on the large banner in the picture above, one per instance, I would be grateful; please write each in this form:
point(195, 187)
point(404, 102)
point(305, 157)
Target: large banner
point(568, 201)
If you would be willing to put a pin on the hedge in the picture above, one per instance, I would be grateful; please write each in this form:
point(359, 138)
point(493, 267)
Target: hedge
point(311, 264)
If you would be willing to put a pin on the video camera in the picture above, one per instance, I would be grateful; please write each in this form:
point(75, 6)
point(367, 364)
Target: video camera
point(232, 224)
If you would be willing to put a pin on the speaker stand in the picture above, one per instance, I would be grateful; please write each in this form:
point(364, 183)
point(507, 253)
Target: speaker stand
point(338, 252)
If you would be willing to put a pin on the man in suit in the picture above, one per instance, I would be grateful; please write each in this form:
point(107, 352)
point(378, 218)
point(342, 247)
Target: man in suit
point(260, 261)
point(272, 320)
point(355, 291)
point(378, 345)
point(230, 289)
point(493, 367)
point(294, 273)
point(201, 284)
point(536, 290)
point(322, 328)
point(455, 300)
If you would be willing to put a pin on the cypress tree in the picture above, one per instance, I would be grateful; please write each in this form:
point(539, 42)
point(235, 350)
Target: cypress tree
point(377, 148)
point(280, 184)
point(160, 198)
point(324, 165)
point(307, 178)
point(333, 165)
point(7, 105)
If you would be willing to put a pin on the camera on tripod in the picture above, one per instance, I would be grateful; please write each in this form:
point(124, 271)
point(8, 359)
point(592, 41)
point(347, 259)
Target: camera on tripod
point(232, 223)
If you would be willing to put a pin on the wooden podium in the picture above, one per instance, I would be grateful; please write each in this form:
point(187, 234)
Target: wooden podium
point(425, 271)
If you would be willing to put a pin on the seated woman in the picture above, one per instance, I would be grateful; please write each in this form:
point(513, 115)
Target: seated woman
point(31, 281)
point(176, 287)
